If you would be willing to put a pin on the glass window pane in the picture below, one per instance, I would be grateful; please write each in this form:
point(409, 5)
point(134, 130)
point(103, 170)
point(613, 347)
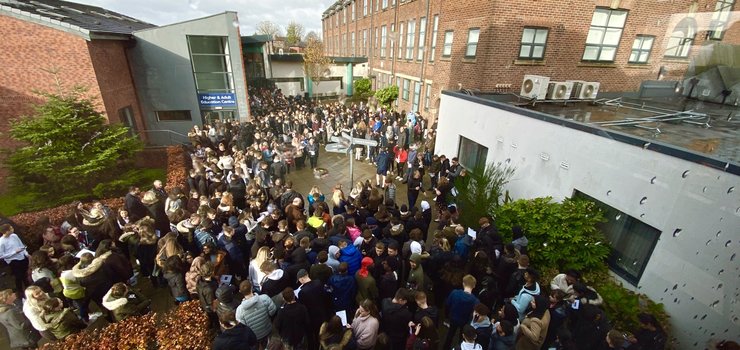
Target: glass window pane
point(541, 36)
point(644, 56)
point(528, 35)
point(637, 43)
point(617, 19)
point(595, 35)
point(607, 53)
point(206, 44)
point(448, 38)
point(600, 17)
point(591, 53)
point(209, 63)
point(538, 51)
point(612, 36)
point(471, 50)
point(647, 43)
point(473, 35)
point(213, 81)
point(633, 56)
point(524, 51)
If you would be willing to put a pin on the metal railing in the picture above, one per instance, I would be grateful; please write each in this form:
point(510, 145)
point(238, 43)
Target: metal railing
point(170, 138)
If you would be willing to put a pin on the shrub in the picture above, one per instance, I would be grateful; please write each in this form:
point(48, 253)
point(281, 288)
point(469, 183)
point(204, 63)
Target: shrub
point(561, 235)
point(136, 177)
point(363, 87)
point(480, 191)
point(387, 95)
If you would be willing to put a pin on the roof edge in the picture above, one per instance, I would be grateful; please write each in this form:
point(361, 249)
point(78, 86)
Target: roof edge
point(45, 21)
point(185, 21)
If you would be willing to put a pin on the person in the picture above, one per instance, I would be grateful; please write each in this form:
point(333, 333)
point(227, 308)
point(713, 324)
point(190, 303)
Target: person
point(525, 296)
point(350, 255)
point(255, 312)
point(414, 186)
point(565, 281)
point(365, 325)
point(614, 340)
point(235, 335)
point(228, 300)
point(33, 309)
point(459, 306)
point(381, 161)
point(275, 280)
point(20, 332)
point(292, 320)
point(134, 206)
point(332, 336)
point(396, 317)
point(94, 275)
point(533, 329)
point(468, 339)
point(174, 274)
point(14, 252)
point(422, 335)
point(482, 324)
point(318, 302)
point(313, 152)
point(124, 302)
point(416, 280)
point(558, 308)
point(367, 289)
point(343, 289)
point(255, 273)
point(205, 288)
point(320, 270)
point(586, 294)
point(651, 335)
point(503, 336)
point(62, 321)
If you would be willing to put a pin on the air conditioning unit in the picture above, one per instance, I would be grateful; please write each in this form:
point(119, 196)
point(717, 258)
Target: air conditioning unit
point(585, 90)
point(559, 90)
point(535, 87)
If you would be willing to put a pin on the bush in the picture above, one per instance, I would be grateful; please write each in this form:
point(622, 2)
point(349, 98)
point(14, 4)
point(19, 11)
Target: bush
point(387, 95)
point(561, 235)
point(119, 186)
point(480, 191)
point(363, 87)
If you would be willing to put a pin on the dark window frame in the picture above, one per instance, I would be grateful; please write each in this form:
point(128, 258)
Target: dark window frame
point(606, 28)
point(640, 50)
point(533, 44)
point(173, 112)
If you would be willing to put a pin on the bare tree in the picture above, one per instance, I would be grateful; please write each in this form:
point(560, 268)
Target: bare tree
point(315, 63)
point(312, 36)
point(269, 28)
point(293, 33)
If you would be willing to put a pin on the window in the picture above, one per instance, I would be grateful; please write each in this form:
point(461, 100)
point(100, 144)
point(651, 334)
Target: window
point(720, 19)
point(533, 43)
point(173, 116)
point(406, 84)
point(364, 8)
point(604, 35)
point(447, 48)
point(641, 49)
point(393, 2)
point(398, 83)
point(385, 4)
point(410, 32)
point(211, 63)
point(344, 15)
point(383, 37)
point(364, 42)
point(472, 45)
point(344, 44)
point(376, 39)
point(393, 42)
point(377, 5)
point(471, 154)
point(126, 115)
point(435, 27)
point(631, 241)
point(354, 4)
point(422, 38)
point(427, 96)
point(400, 41)
point(352, 45)
point(681, 39)
point(417, 96)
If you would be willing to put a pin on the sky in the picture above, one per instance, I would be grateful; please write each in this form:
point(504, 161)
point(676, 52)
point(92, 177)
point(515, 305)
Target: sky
point(250, 12)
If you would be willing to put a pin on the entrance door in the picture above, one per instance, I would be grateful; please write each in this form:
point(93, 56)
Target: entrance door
point(224, 115)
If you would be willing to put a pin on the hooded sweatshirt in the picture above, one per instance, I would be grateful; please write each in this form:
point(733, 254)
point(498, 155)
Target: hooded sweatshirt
point(255, 313)
point(352, 257)
point(273, 284)
point(524, 298)
point(332, 261)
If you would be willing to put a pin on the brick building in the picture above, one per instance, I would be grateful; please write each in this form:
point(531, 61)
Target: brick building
point(425, 47)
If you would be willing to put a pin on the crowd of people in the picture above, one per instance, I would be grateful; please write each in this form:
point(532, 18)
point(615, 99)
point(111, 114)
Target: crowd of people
point(275, 269)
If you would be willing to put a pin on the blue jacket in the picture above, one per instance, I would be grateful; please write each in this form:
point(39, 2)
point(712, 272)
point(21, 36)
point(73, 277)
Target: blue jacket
point(352, 257)
point(343, 289)
point(462, 246)
point(382, 161)
point(461, 306)
point(525, 296)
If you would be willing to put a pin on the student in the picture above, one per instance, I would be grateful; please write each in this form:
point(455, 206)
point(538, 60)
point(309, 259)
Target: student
point(292, 320)
point(123, 302)
point(459, 306)
point(62, 322)
point(236, 336)
point(175, 275)
point(20, 332)
point(469, 339)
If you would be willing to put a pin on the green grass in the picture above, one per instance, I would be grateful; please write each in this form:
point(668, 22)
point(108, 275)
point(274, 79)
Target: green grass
point(22, 200)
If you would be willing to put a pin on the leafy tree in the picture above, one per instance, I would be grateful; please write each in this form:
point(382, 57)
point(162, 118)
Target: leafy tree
point(68, 146)
point(480, 191)
point(311, 36)
point(293, 33)
point(387, 95)
point(269, 28)
point(363, 87)
point(315, 63)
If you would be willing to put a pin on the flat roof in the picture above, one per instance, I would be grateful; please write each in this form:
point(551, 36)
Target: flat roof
point(701, 132)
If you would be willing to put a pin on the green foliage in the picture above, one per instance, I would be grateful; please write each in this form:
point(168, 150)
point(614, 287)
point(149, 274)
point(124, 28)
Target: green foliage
point(294, 33)
point(479, 192)
point(387, 95)
point(363, 87)
point(561, 235)
point(68, 146)
point(135, 177)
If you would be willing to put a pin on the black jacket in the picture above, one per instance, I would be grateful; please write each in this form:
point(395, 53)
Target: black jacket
point(136, 209)
point(395, 320)
point(237, 338)
point(317, 301)
point(292, 322)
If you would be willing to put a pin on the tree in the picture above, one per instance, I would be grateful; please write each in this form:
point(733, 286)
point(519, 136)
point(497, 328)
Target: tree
point(363, 87)
point(480, 191)
point(386, 96)
point(293, 33)
point(68, 146)
point(269, 28)
point(315, 63)
point(312, 36)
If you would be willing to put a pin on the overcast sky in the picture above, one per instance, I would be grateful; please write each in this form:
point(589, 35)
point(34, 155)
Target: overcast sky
point(251, 12)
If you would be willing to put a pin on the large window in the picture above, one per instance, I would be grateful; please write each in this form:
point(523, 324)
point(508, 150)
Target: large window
point(401, 36)
point(641, 49)
point(427, 96)
point(211, 63)
point(679, 43)
point(417, 96)
point(471, 154)
point(352, 44)
point(422, 38)
point(364, 8)
point(720, 19)
point(447, 49)
point(410, 32)
point(435, 27)
point(534, 41)
point(398, 83)
point(377, 31)
point(344, 44)
point(173, 115)
point(406, 85)
point(385, 4)
point(393, 42)
point(354, 4)
point(472, 45)
point(631, 240)
point(383, 40)
point(604, 35)
point(364, 42)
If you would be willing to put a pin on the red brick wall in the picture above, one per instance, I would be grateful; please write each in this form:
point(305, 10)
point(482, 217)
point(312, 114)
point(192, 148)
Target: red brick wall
point(501, 25)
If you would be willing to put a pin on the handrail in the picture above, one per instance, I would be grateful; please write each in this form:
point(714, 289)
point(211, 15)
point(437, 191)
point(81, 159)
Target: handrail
point(170, 133)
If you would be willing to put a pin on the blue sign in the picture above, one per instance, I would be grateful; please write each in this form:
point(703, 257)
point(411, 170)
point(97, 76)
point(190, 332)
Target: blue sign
point(217, 99)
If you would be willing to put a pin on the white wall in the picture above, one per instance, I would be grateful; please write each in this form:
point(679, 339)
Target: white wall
point(697, 261)
point(282, 69)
